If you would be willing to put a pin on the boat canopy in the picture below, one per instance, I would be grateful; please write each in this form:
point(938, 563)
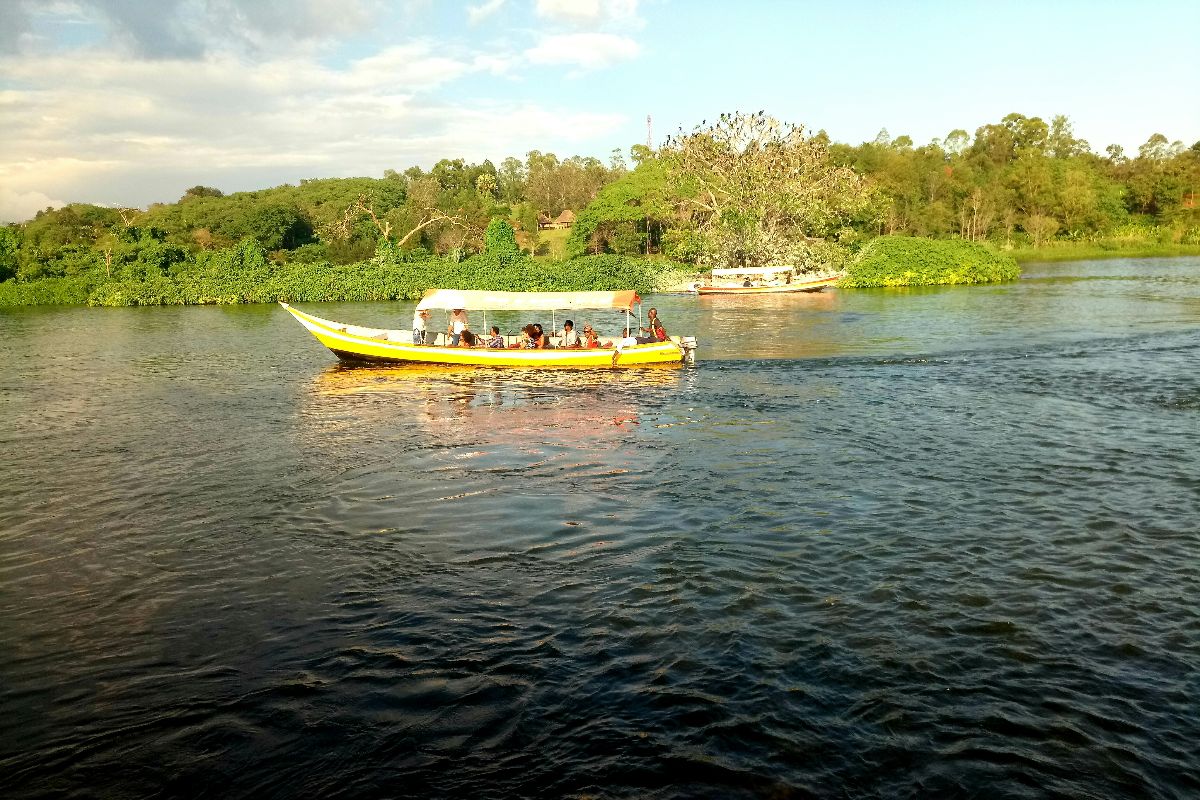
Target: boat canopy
point(752, 270)
point(472, 300)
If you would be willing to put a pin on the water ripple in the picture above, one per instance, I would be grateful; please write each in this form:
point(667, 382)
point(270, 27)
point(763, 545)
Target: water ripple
point(911, 549)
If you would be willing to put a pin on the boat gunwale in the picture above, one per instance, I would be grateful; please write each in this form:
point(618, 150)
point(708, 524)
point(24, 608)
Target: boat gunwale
point(491, 357)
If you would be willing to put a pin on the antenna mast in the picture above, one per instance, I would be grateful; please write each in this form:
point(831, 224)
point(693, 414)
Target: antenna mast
point(649, 135)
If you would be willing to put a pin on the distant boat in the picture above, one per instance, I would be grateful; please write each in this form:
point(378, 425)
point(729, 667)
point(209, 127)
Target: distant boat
point(357, 343)
point(762, 280)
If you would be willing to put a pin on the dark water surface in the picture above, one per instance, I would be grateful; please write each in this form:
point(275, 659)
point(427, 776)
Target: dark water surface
point(930, 543)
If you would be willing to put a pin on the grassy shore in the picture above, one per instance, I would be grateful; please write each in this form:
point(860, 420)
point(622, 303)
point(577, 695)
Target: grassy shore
point(1084, 251)
point(552, 244)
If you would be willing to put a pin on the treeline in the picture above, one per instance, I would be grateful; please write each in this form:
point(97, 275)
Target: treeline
point(336, 220)
point(1019, 183)
point(746, 190)
point(1024, 178)
point(243, 273)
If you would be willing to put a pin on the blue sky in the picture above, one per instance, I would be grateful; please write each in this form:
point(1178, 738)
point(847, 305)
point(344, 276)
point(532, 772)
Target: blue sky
point(130, 102)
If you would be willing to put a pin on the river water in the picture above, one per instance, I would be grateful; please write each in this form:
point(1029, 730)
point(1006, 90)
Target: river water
point(927, 543)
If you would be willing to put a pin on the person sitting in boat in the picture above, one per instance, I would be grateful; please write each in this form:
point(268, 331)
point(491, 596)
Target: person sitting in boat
point(529, 338)
point(458, 324)
point(591, 339)
point(420, 326)
point(628, 338)
point(468, 339)
point(660, 333)
point(539, 337)
point(651, 321)
point(496, 341)
point(570, 337)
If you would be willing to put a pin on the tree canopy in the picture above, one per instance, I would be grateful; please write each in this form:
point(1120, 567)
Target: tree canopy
point(744, 190)
point(753, 191)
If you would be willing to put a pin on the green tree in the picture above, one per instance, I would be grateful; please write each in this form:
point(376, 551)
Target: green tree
point(756, 191)
point(511, 180)
point(10, 246)
point(1040, 228)
point(500, 241)
point(274, 225)
point(1061, 140)
point(628, 216)
point(485, 184)
point(200, 191)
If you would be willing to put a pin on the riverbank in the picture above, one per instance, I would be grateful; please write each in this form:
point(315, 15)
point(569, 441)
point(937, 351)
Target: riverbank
point(253, 278)
point(1072, 251)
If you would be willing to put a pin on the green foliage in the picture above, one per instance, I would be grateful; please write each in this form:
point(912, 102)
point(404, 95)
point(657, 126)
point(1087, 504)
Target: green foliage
point(908, 261)
point(742, 190)
point(275, 226)
point(756, 190)
point(285, 217)
point(500, 241)
point(1023, 179)
point(243, 274)
point(200, 191)
point(627, 217)
point(10, 245)
point(47, 291)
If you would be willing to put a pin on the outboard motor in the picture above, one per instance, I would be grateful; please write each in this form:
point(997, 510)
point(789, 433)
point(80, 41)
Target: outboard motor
point(688, 345)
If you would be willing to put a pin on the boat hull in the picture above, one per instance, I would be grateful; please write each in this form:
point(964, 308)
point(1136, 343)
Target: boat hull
point(811, 286)
point(357, 345)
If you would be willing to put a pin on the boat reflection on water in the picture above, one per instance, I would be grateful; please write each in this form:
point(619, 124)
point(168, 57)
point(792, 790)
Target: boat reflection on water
point(339, 379)
point(453, 404)
point(778, 302)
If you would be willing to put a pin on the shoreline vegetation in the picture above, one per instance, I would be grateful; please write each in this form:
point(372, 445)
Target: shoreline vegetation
point(743, 191)
point(245, 274)
point(1086, 251)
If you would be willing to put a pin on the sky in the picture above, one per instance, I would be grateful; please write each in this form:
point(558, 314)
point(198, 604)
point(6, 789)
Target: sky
point(131, 102)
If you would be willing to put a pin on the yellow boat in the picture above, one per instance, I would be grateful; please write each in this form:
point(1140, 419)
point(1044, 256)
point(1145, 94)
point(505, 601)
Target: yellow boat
point(762, 280)
point(356, 343)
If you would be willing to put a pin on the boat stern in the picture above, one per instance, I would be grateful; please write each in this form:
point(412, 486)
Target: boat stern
point(687, 346)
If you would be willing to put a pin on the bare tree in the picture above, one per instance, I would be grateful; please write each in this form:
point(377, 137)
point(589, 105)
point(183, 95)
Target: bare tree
point(430, 215)
point(758, 191)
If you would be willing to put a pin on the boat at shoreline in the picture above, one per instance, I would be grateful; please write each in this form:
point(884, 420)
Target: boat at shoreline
point(361, 344)
point(762, 280)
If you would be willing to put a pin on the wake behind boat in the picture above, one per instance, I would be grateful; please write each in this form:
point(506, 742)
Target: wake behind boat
point(762, 280)
point(357, 343)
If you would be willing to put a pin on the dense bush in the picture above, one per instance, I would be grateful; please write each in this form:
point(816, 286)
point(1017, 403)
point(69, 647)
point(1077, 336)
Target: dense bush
point(244, 274)
point(907, 261)
point(500, 240)
point(47, 291)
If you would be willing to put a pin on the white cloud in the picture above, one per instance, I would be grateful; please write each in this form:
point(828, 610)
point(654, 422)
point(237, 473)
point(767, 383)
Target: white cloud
point(477, 14)
point(589, 14)
point(589, 50)
point(104, 129)
point(172, 29)
point(20, 206)
point(413, 66)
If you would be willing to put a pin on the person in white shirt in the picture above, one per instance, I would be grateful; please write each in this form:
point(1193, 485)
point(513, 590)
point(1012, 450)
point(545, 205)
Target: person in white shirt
point(570, 338)
point(458, 324)
point(420, 326)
